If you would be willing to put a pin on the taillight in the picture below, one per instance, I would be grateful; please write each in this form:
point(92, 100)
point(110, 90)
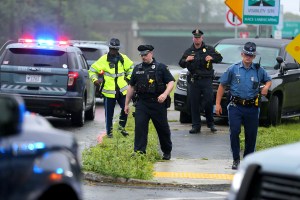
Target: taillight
point(72, 76)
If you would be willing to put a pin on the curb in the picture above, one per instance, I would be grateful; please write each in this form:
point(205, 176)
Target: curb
point(90, 176)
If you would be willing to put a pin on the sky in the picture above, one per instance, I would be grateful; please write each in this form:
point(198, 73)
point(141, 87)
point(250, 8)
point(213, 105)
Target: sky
point(292, 6)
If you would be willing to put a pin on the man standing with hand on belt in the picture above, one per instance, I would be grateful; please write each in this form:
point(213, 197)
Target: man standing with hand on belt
point(198, 60)
point(244, 79)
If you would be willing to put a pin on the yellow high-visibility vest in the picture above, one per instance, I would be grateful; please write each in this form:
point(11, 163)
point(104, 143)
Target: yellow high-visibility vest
point(111, 78)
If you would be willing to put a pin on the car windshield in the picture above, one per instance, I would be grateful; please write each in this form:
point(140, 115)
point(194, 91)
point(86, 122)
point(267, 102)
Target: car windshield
point(232, 54)
point(91, 53)
point(35, 57)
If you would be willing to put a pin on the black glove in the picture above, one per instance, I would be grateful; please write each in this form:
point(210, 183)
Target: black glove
point(97, 83)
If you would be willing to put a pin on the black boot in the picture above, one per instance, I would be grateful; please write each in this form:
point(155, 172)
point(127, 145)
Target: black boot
point(194, 130)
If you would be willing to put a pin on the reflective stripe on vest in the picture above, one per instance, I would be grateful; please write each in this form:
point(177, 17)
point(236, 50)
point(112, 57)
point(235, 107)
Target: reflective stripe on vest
point(114, 75)
point(113, 91)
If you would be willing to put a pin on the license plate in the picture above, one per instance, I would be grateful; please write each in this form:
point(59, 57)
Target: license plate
point(33, 78)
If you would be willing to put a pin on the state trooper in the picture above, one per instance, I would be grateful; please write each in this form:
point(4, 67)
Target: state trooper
point(244, 79)
point(198, 60)
point(116, 69)
point(152, 82)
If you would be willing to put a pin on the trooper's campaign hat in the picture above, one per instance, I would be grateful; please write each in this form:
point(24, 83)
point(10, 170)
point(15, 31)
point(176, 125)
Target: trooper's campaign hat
point(114, 43)
point(249, 48)
point(197, 33)
point(144, 49)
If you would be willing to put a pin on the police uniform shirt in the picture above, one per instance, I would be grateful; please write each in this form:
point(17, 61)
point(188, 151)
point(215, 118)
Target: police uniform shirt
point(162, 72)
point(244, 83)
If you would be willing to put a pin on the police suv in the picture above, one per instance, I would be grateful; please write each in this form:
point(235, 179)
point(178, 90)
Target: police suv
point(283, 99)
point(51, 76)
point(37, 161)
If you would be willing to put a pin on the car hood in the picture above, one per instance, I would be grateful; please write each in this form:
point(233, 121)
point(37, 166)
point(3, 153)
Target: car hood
point(220, 68)
point(281, 159)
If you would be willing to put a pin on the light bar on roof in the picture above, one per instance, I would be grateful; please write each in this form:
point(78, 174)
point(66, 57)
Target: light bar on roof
point(43, 42)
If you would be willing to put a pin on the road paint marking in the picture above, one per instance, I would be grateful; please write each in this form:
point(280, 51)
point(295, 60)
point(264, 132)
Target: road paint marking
point(193, 175)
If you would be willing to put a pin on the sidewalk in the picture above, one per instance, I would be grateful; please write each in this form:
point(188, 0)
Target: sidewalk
point(198, 160)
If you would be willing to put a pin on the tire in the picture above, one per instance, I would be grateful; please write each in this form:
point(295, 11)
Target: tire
point(274, 112)
point(78, 118)
point(185, 117)
point(90, 113)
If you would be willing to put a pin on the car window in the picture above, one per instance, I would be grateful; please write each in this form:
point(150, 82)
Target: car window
point(232, 54)
point(35, 57)
point(73, 63)
point(289, 58)
point(83, 62)
point(91, 54)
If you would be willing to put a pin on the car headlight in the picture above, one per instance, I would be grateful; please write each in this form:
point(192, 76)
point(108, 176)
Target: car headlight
point(182, 82)
point(236, 184)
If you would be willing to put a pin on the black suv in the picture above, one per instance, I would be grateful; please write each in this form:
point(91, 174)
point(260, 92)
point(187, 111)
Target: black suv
point(92, 51)
point(37, 161)
point(283, 99)
point(51, 76)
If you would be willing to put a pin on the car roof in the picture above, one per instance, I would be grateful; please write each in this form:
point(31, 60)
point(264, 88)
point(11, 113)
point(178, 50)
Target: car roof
point(268, 42)
point(65, 48)
point(89, 44)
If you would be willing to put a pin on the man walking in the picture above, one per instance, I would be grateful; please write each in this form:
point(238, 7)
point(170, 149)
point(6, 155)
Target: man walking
point(116, 69)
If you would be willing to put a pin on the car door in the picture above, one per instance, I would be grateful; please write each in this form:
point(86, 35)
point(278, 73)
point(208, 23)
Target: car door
point(89, 84)
point(291, 84)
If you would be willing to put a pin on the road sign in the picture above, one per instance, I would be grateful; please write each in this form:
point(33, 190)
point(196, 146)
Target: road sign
point(232, 19)
point(264, 12)
point(236, 6)
point(289, 29)
point(293, 48)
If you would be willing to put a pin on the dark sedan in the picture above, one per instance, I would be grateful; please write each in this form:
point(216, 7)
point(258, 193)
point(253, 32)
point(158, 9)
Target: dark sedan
point(283, 99)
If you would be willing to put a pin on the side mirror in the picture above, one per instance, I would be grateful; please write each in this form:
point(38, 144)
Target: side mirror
point(12, 110)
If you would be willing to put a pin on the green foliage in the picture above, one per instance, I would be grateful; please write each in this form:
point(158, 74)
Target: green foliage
point(268, 137)
point(115, 156)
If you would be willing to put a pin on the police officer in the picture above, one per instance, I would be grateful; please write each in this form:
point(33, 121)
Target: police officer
point(198, 60)
point(116, 69)
point(152, 82)
point(244, 79)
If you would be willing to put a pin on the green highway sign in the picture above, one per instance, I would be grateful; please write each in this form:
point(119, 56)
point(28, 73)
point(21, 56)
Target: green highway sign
point(290, 29)
point(264, 12)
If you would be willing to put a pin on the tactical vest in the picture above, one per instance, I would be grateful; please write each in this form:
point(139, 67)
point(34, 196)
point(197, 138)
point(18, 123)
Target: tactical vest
point(149, 80)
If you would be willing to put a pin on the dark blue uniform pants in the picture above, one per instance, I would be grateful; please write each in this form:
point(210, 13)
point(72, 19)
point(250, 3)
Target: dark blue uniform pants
point(201, 98)
point(157, 112)
point(109, 105)
point(249, 116)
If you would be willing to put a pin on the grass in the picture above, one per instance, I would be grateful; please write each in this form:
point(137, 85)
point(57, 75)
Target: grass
point(286, 133)
point(114, 156)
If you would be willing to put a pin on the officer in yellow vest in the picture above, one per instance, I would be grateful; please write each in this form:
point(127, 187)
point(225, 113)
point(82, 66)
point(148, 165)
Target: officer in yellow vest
point(116, 69)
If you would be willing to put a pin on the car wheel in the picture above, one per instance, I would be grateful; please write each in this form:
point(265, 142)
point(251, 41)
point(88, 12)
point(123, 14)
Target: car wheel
point(78, 118)
point(90, 113)
point(274, 112)
point(185, 117)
